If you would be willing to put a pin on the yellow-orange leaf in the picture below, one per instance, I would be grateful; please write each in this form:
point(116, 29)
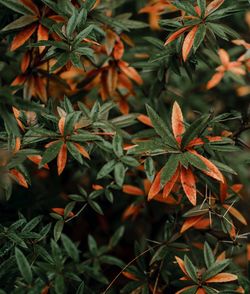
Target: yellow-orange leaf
point(188, 184)
point(188, 43)
point(62, 159)
point(22, 37)
point(236, 214)
point(132, 190)
point(177, 122)
point(175, 35)
point(222, 278)
point(224, 57)
point(190, 222)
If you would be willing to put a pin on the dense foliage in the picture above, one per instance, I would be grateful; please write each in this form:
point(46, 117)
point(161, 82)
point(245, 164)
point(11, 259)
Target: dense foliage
point(124, 141)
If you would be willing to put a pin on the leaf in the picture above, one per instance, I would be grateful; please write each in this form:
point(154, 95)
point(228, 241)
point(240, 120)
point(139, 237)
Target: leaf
point(23, 266)
point(22, 37)
point(70, 248)
point(212, 170)
point(155, 187)
point(202, 5)
point(59, 284)
point(222, 278)
point(195, 129)
point(51, 152)
point(169, 186)
point(208, 255)
point(233, 211)
point(130, 161)
point(149, 168)
point(185, 6)
point(169, 168)
point(72, 23)
point(199, 37)
point(214, 5)
point(176, 35)
point(118, 145)
point(215, 80)
point(106, 169)
point(215, 269)
point(62, 158)
point(188, 43)
point(177, 122)
point(20, 23)
point(92, 244)
point(188, 184)
point(16, 6)
point(74, 151)
point(190, 268)
point(58, 229)
point(190, 222)
point(119, 173)
point(195, 161)
point(114, 240)
point(161, 128)
point(83, 34)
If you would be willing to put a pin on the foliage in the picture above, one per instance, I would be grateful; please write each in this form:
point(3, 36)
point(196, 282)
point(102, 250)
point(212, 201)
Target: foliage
point(103, 99)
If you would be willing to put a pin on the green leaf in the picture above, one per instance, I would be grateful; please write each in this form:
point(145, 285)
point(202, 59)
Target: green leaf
point(116, 237)
point(95, 206)
point(130, 161)
point(169, 168)
point(23, 266)
point(199, 37)
point(16, 6)
point(186, 6)
point(59, 284)
point(119, 173)
point(202, 5)
point(223, 167)
point(20, 23)
point(80, 289)
point(190, 268)
point(58, 229)
point(195, 161)
point(74, 152)
point(83, 34)
point(161, 128)
point(92, 244)
point(70, 122)
point(118, 145)
point(208, 255)
point(51, 153)
point(72, 23)
point(70, 248)
point(106, 169)
point(194, 130)
point(149, 168)
point(62, 59)
point(215, 269)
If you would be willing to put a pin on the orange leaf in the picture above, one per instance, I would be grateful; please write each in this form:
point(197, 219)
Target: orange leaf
point(131, 211)
point(118, 50)
point(60, 211)
point(224, 57)
point(42, 34)
point(170, 184)
point(25, 62)
point(237, 188)
point(214, 5)
point(177, 122)
point(112, 79)
point(19, 178)
point(214, 81)
point(22, 37)
point(223, 192)
point(62, 159)
point(222, 278)
point(203, 224)
point(132, 190)
point(235, 213)
point(37, 159)
point(188, 184)
point(130, 276)
point(82, 150)
point(213, 170)
point(190, 222)
point(145, 120)
point(156, 186)
point(184, 289)
point(31, 6)
point(188, 43)
point(130, 72)
point(61, 125)
point(200, 291)
point(175, 35)
point(181, 265)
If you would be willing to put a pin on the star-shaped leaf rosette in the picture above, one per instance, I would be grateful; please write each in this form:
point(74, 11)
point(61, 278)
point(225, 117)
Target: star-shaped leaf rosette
point(182, 148)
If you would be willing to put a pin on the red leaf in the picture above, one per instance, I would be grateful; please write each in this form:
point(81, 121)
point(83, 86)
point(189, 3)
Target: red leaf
point(62, 159)
point(22, 37)
point(188, 43)
point(177, 122)
point(175, 35)
point(188, 184)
